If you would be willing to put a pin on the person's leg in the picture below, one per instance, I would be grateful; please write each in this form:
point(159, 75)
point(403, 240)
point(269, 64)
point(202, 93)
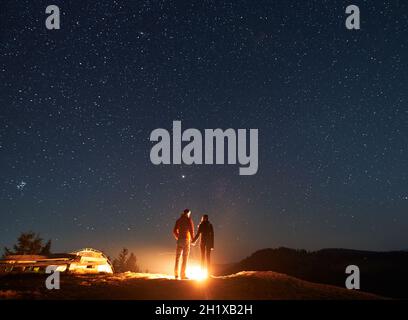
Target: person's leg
point(176, 265)
point(186, 252)
point(208, 252)
point(202, 248)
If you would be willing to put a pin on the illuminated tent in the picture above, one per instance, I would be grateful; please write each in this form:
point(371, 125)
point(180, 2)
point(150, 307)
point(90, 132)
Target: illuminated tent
point(90, 261)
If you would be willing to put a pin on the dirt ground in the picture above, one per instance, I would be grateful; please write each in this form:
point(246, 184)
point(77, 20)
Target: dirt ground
point(244, 285)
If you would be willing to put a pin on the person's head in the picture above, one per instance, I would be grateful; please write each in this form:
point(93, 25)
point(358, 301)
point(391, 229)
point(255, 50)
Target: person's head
point(187, 213)
point(204, 218)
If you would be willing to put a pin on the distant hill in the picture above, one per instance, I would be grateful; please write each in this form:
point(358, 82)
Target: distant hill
point(383, 273)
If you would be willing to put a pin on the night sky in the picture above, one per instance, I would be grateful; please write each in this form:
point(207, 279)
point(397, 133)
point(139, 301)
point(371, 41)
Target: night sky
point(77, 107)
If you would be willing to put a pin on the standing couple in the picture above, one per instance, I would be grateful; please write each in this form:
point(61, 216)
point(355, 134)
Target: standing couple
point(184, 233)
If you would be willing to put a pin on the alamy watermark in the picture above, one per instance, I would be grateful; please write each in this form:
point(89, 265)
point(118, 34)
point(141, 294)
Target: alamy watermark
point(53, 281)
point(353, 280)
point(203, 148)
point(53, 19)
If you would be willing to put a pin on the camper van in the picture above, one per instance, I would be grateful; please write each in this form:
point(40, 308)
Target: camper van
point(86, 260)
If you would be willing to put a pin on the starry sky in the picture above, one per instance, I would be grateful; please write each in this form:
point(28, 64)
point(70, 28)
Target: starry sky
point(77, 106)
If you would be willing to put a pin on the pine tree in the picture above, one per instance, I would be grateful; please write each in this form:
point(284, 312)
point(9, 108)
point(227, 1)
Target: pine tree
point(119, 264)
point(124, 263)
point(131, 264)
point(29, 243)
point(46, 249)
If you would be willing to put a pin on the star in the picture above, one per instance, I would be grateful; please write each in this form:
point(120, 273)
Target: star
point(21, 185)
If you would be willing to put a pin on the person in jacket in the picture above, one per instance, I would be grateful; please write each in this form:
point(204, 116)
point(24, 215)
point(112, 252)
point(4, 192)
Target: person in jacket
point(183, 232)
point(206, 234)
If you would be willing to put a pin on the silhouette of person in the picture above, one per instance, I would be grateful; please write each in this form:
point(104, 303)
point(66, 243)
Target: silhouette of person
point(183, 231)
point(206, 234)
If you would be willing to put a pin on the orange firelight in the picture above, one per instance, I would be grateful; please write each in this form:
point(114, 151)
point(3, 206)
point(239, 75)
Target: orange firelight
point(196, 273)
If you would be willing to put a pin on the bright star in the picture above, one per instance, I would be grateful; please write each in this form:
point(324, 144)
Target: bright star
point(21, 185)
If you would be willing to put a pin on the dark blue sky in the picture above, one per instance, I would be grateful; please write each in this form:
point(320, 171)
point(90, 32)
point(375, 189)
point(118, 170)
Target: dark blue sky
point(77, 107)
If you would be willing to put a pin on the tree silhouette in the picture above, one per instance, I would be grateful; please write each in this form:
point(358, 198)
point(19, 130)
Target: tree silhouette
point(119, 263)
point(29, 243)
point(46, 249)
point(124, 263)
point(131, 263)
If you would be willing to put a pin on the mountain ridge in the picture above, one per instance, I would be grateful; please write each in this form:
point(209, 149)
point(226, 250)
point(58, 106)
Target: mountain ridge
point(383, 273)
